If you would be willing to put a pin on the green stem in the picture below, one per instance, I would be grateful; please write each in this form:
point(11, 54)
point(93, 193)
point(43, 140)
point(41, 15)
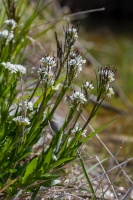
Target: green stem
point(34, 90)
point(87, 178)
point(90, 117)
point(93, 113)
point(59, 98)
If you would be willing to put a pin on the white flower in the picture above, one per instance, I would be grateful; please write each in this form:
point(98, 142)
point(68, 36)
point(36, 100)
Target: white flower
point(72, 62)
point(77, 129)
point(6, 35)
point(19, 120)
point(20, 69)
point(28, 105)
point(71, 35)
point(110, 76)
point(75, 62)
point(48, 61)
point(88, 86)
point(11, 23)
point(109, 91)
point(78, 98)
point(10, 37)
point(10, 67)
point(73, 31)
point(84, 133)
point(106, 74)
point(46, 75)
point(13, 68)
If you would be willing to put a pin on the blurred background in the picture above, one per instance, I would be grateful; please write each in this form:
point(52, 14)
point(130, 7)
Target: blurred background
point(106, 37)
point(118, 15)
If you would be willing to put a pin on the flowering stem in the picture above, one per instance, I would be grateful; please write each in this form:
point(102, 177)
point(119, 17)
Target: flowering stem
point(78, 115)
point(69, 118)
point(41, 108)
point(92, 114)
point(34, 91)
point(59, 98)
point(86, 175)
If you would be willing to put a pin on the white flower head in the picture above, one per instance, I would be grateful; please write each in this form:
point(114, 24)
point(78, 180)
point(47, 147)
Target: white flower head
point(77, 129)
point(28, 105)
point(75, 62)
point(109, 91)
point(48, 61)
point(11, 23)
point(19, 120)
point(110, 76)
point(46, 75)
point(88, 86)
point(10, 37)
point(84, 133)
point(20, 69)
point(6, 35)
point(106, 74)
point(10, 67)
point(73, 32)
point(14, 68)
point(71, 35)
point(78, 98)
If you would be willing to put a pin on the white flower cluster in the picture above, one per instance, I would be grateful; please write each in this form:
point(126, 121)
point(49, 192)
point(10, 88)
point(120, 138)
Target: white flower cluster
point(88, 86)
point(73, 32)
point(48, 61)
point(77, 129)
point(107, 76)
point(109, 91)
point(19, 120)
point(78, 98)
point(75, 62)
point(46, 75)
point(28, 105)
point(14, 68)
point(6, 35)
point(46, 72)
point(11, 23)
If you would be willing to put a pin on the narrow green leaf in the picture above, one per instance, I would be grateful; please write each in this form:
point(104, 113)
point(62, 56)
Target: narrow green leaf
point(48, 158)
point(51, 183)
point(63, 148)
point(61, 161)
point(30, 169)
point(35, 193)
point(95, 132)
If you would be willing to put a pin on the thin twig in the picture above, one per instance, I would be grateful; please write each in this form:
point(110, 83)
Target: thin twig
point(107, 177)
point(108, 151)
point(126, 196)
point(109, 170)
point(76, 15)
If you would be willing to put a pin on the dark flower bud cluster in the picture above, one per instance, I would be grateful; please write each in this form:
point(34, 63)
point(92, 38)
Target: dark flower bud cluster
point(105, 77)
point(71, 35)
